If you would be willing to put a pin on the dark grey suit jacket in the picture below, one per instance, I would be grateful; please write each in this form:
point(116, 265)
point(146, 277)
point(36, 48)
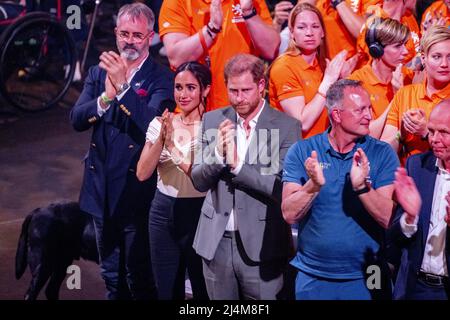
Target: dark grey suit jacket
point(255, 191)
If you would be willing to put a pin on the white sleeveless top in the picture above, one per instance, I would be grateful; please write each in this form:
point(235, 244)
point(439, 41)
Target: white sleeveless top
point(172, 181)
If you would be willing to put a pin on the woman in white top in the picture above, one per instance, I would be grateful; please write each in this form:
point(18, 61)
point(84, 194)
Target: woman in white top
point(177, 204)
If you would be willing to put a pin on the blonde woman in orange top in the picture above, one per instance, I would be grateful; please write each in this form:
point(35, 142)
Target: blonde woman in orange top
point(406, 124)
point(297, 83)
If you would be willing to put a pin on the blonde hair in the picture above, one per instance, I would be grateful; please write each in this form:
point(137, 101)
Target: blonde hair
point(434, 35)
point(293, 49)
point(388, 31)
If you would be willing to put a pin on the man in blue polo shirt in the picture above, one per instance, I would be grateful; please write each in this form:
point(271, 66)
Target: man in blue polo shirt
point(338, 186)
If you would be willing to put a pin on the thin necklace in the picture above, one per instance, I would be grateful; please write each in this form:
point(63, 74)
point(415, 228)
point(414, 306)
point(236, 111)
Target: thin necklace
point(187, 123)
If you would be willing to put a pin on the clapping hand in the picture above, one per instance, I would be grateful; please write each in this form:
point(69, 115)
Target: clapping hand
point(116, 69)
point(408, 196)
point(163, 120)
point(216, 14)
point(415, 122)
point(359, 173)
point(281, 13)
point(314, 171)
point(226, 144)
point(397, 78)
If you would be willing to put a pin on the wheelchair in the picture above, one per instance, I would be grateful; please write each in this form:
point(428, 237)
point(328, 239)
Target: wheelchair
point(37, 55)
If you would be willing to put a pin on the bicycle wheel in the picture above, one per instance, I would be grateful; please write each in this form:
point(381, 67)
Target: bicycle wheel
point(37, 62)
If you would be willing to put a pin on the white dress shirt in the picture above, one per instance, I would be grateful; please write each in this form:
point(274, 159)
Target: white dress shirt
point(434, 260)
point(243, 140)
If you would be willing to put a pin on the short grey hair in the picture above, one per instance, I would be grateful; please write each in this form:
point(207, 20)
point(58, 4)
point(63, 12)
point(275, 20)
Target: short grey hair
point(335, 93)
point(136, 10)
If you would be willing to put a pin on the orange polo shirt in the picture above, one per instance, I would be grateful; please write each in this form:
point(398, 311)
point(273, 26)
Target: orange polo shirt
point(291, 76)
point(410, 97)
point(189, 16)
point(381, 94)
point(338, 37)
point(412, 44)
point(437, 9)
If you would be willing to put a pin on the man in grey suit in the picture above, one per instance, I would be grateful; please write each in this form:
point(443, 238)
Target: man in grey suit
point(241, 235)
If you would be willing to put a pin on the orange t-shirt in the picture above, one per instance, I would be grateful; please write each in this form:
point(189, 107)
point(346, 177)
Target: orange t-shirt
point(338, 37)
point(410, 97)
point(380, 93)
point(291, 76)
point(189, 16)
point(437, 10)
point(412, 44)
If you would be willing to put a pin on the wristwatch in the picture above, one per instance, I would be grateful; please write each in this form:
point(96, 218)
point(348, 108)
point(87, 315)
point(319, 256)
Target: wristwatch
point(124, 86)
point(334, 3)
point(363, 190)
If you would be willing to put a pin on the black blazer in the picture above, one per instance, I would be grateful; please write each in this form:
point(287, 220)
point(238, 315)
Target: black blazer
point(110, 185)
point(422, 168)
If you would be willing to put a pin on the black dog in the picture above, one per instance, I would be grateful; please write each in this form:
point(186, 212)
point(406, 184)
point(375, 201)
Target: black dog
point(50, 240)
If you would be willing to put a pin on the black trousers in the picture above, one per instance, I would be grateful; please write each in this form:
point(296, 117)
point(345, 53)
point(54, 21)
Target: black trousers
point(125, 257)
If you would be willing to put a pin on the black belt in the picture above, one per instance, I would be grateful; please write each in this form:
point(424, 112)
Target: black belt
point(229, 234)
point(432, 279)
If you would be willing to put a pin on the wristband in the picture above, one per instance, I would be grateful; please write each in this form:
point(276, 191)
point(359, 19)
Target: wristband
point(250, 15)
point(210, 33)
point(362, 191)
point(212, 29)
point(105, 98)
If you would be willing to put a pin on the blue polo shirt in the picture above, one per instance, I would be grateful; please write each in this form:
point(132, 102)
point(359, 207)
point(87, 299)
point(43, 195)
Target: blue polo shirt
point(338, 238)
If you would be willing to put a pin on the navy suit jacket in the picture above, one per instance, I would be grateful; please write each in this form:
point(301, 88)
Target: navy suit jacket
point(110, 185)
point(422, 168)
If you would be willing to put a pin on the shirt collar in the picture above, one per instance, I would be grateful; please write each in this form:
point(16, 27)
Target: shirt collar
point(360, 143)
point(254, 121)
point(135, 70)
point(302, 62)
point(441, 168)
point(141, 64)
point(442, 94)
point(371, 77)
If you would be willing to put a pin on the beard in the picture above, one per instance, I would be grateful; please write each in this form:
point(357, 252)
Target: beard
point(129, 52)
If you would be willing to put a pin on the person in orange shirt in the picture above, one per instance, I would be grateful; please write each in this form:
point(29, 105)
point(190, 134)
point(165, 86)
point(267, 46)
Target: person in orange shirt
point(437, 13)
point(342, 19)
point(406, 124)
point(400, 10)
point(212, 31)
point(383, 77)
point(297, 83)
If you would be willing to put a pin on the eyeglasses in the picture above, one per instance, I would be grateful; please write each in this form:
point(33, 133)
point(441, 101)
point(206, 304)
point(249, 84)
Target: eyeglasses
point(137, 37)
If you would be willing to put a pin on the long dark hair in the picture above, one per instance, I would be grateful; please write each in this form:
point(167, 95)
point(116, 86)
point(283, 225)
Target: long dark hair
point(201, 73)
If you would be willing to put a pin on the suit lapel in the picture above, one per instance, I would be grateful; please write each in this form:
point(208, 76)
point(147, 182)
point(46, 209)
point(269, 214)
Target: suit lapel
point(426, 187)
point(116, 116)
point(142, 76)
point(230, 114)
